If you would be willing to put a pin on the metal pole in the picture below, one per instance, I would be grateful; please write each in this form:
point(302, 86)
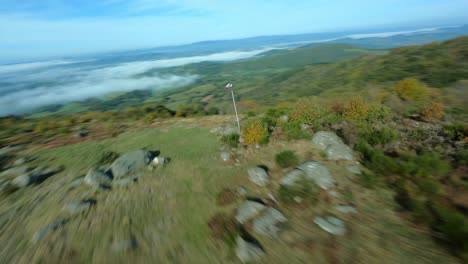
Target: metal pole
point(235, 109)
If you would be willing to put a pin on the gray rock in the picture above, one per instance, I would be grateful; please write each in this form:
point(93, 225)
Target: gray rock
point(41, 233)
point(284, 118)
point(259, 176)
point(229, 130)
point(292, 177)
point(126, 181)
point(20, 161)
point(78, 206)
point(354, 169)
point(247, 251)
point(15, 171)
point(248, 210)
point(305, 127)
point(21, 181)
point(268, 223)
point(130, 163)
point(226, 156)
point(97, 178)
point(76, 183)
point(319, 174)
point(331, 225)
point(124, 245)
point(346, 209)
point(332, 145)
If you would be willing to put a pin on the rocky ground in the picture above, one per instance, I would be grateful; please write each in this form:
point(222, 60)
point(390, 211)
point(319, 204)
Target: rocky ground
point(172, 193)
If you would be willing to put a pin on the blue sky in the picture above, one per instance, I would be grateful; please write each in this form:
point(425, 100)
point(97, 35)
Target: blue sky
point(39, 28)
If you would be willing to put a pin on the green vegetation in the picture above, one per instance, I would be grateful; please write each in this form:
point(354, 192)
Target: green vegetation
point(304, 190)
point(287, 159)
point(231, 140)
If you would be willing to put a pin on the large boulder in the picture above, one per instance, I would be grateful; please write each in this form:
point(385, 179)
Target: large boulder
point(268, 223)
point(248, 251)
point(248, 210)
point(332, 145)
point(312, 171)
point(97, 178)
point(130, 162)
point(259, 176)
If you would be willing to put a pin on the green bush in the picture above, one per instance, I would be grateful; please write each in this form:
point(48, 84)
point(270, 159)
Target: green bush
point(461, 158)
point(286, 159)
point(378, 136)
point(424, 165)
point(294, 131)
point(454, 226)
point(231, 140)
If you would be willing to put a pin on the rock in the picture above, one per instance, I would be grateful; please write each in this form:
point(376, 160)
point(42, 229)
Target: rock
point(305, 127)
point(130, 163)
point(78, 206)
point(21, 181)
point(15, 171)
point(346, 209)
point(247, 251)
point(97, 178)
point(41, 233)
point(126, 181)
point(159, 161)
point(248, 210)
point(354, 169)
point(124, 245)
point(225, 156)
point(229, 130)
point(242, 191)
point(332, 145)
point(259, 176)
point(331, 225)
point(292, 177)
point(42, 173)
point(318, 173)
point(76, 183)
point(20, 161)
point(284, 118)
point(268, 223)
point(81, 133)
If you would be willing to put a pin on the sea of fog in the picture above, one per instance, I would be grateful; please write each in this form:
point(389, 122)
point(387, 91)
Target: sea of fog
point(26, 86)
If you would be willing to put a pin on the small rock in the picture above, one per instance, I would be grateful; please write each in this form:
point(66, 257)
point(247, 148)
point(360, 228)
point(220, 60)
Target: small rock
point(76, 183)
point(79, 206)
point(305, 127)
point(247, 251)
point(354, 169)
point(332, 145)
point(225, 156)
point(268, 223)
point(318, 173)
point(345, 209)
point(284, 118)
point(16, 171)
point(242, 191)
point(21, 181)
point(97, 178)
point(130, 163)
point(259, 176)
point(41, 233)
point(124, 245)
point(298, 199)
point(20, 161)
point(331, 225)
point(248, 210)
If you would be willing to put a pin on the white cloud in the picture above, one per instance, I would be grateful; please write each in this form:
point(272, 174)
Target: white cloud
point(11, 68)
point(389, 34)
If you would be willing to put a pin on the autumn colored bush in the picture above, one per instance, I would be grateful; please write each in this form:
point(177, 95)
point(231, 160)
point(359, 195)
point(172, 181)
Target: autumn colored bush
point(307, 111)
point(255, 131)
point(411, 90)
point(433, 111)
point(357, 109)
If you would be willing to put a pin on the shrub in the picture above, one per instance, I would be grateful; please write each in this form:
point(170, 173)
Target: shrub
point(286, 159)
point(304, 189)
point(378, 112)
point(368, 180)
point(453, 225)
point(424, 165)
point(307, 111)
point(294, 131)
point(357, 109)
point(410, 90)
point(255, 131)
point(433, 111)
point(457, 131)
point(232, 139)
point(378, 136)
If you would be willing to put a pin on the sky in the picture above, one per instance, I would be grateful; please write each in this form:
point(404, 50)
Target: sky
point(41, 28)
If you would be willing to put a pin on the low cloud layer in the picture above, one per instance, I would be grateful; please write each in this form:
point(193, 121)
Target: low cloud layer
point(31, 85)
